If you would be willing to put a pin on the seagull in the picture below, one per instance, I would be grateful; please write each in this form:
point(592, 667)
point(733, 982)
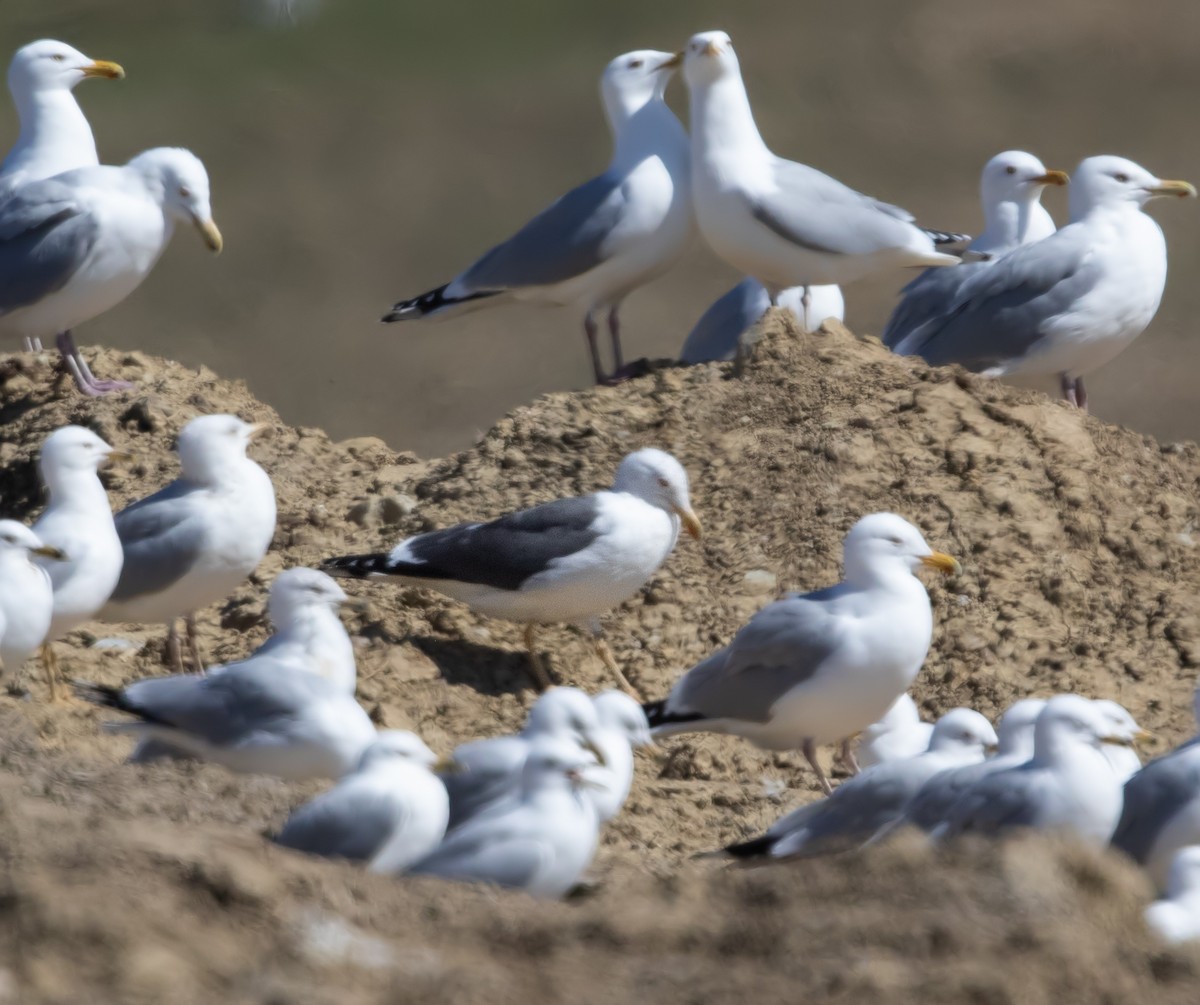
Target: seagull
point(26, 594)
point(1069, 303)
point(1176, 918)
point(864, 806)
point(1067, 785)
point(192, 543)
point(785, 224)
point(931, 806)
point(77, 522)
point(541, 842)
point(564, 561)
point(899, 733)
point(818, 667)
point(1122, 757)
point(1010, 192)
point(604, 239)
point(75, 245)
point(623, 726)
point(717, 335)
point(484, 773)
point(390, 812)
point(1162, 808)
point(269, 714)
point(55, 135)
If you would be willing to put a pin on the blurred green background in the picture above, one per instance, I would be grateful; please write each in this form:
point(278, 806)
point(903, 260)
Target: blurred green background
point(366, 150)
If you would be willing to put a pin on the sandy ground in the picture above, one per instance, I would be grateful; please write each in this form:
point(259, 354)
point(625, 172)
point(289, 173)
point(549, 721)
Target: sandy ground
point(1080, 568)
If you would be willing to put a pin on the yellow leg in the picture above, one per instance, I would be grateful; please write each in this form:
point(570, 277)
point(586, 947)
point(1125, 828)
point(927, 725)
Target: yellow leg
point(610, 661)
point(53, 677)
point(541, 675)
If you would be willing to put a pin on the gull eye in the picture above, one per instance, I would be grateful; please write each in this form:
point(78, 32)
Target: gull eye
point(896, 541)
point(185, 192)
point(634, 64)
point(664, 483)
point(1122, 177)
point(58, 57)
point(1010, 170)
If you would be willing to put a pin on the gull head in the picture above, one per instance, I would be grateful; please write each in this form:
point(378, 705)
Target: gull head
point(296, 591)
point(621, 714)
point(73, 449)
point(1111, 181)
point(634, 78)
point(398, 745)
point(659, 479)
point(708, 57)
point(554, 762)
point(1015, 176)
point(963, 730)
point(567, 713)
point(178, 179)
point(882, 542)
point(1120, 722)
point(17, 539)
point(211, 445)
point(54, 66)
point(1072, 720)
point(1017, 726)
point(1184, 875)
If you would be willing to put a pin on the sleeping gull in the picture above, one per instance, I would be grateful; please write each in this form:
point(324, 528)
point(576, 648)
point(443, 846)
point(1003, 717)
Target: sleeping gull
point(898, 733)
point(390, 812)
point(930, 807)
point(192, 543)
point(863, 806)
point(488, 771)
point(269, 714)
point(1010, 192)
point(604, 239)
point(1066, 786)
point(783, 223)
point(26, 596)
point(1123, 757)
point(76, 245)
point(1069, 303)
point(718, 333)
point(541, 842)
point(54, 135)
point(78, 522)
point(623, 726)
point(564, 561)
point(1176, 918)
point(819, 667)
point(1162, 808)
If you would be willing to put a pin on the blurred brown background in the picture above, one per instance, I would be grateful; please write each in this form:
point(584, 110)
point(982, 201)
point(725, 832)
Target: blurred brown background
point(366, 150)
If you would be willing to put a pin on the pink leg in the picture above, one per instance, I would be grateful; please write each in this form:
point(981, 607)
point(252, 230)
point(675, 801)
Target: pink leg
point(85, 380)
point(589, 329)
point(810, 754)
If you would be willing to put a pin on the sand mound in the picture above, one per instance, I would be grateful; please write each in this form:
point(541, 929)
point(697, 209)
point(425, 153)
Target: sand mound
point(1080, 568)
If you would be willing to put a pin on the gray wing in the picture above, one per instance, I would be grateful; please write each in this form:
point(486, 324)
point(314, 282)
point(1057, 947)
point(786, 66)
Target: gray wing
point(1002, 310)
point(716, 334)
point(935, 800)
point(46, 233)
point(929, 296)
point(783, 645)
point(349, 821)
point(492, 850)
point(162, 537)
point(1152, 797)
point(566, 240)
point(1000, 802)
point(819, 213)
point(489, 770)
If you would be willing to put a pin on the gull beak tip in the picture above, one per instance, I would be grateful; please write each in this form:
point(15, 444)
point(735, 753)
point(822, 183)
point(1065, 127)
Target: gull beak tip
point(948, 565)
point(691, 524)
point(106, 69)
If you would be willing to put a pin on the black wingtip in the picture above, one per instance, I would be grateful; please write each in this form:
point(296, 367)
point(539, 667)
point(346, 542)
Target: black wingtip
point(99, 694)
point(754, 848)
point(941, 237)
point(355, 566)
point(657, 714)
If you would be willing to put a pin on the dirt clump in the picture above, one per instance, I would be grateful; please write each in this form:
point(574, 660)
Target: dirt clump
point(1080, 568)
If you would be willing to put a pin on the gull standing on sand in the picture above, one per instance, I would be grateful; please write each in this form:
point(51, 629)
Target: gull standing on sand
point(390, 812)
point(26, 596)
point(785, 224)
point(76, 245)
point(1010, 192)
point(1066, 786)
point(868, 804)
point(1067, 304)
point(192, 543)
point(604, 239)
point(819, 667)
point(484, 773)
point(899, 733)
point(717, 335)
point(566, 561)
point(54, 135)
point(77, 522)
point(1162, 808)
point(541, 842)
point(269, 714)
point(1176, 918)
point(623, 726)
